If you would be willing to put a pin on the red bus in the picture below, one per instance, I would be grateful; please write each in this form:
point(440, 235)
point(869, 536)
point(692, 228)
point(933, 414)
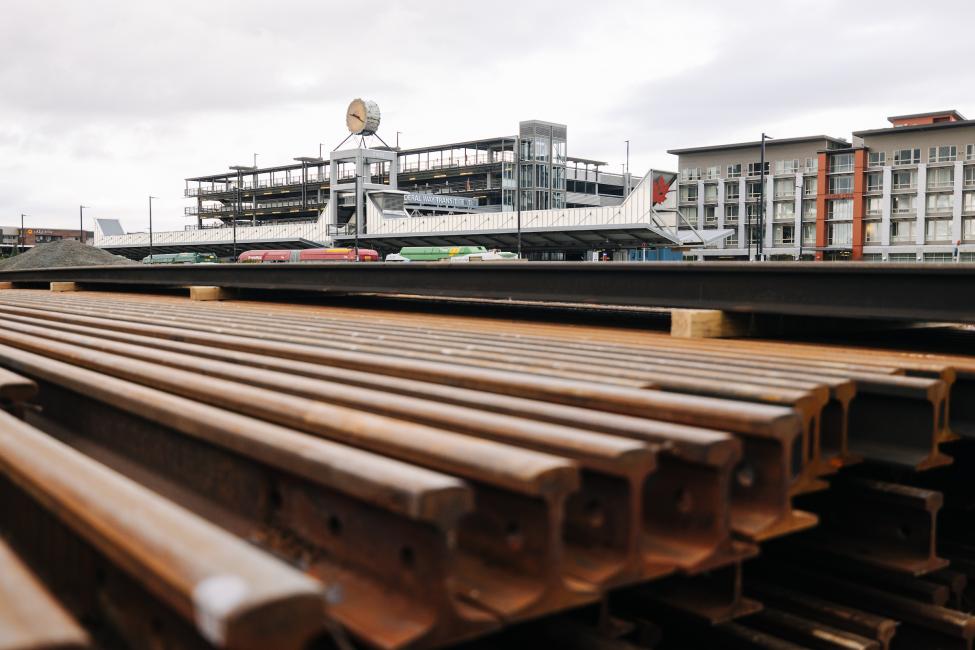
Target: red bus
point(307, 255)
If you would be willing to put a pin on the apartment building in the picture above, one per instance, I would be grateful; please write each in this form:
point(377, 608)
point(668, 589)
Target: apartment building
point(903, 193)
point(722, 187)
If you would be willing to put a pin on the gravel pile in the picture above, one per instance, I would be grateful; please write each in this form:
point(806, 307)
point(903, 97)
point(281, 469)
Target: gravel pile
point(66, 252)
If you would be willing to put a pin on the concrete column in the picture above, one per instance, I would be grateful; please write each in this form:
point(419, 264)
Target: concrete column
point(700, 205)
point(957, 202)
point(769, 212)
point(885, 208)
point(742, 232)
point(720, 209)
point(799, 184)
point(922, 186)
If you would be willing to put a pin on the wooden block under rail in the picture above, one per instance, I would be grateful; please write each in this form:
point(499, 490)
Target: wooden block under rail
point(64, 286)
point(210, 293)
point(707, 323)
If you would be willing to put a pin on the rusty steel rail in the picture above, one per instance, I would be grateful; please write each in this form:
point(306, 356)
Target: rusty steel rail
point(897, 441)
point(856, 621)
point(772, 435)
point(425, 542)
point(232, 595)
point(898, 535)
point(30, 617)
point(444, 481)
point(856, 290)
point(686, 518)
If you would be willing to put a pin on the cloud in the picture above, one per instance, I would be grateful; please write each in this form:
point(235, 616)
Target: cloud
point(104, 102)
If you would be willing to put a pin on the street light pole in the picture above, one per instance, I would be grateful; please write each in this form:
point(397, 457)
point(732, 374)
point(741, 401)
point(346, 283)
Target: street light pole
point(81, 223)
point(358, 211)
point(761, 208)
point(518, 189)
point(150, 227)
point(23, 240)
point(626, 178)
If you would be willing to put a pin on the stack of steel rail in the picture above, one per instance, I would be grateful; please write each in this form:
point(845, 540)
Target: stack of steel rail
point(241, 474)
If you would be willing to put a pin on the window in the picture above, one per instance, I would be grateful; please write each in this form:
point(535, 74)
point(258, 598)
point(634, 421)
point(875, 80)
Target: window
point(809, 234)
point(944, 153)
point(874, 206)
point(688, 193)
point(752, 211)
point(808, 210)
point(938, 258)
point(755, 168)
point(937, 230)
point(731, 191)
point(938, 203)
point(968, 202)
point(690, 215)
point(784, 187)
point(711, 193)
point(541, 149)
point(970, 152)
point(877, 158)
point(785, 210)
point(968, 229)
point(754, 189)
point(812, 165)
point(731, 214)
point(875, 182)
point(902, 257)
point(871, 232)
point(902, 230)
point(903, 203)
point(970, 176)
point(753, 232)
point(711, 173)
point(873, 257)
point(940, 177)
point(907, 156)
point(558, 152)
point(690, 174)
point(809, 185)
point(841, 162)
point(840, 234)
point(840, 184)
point(786, 166)
point(734, 171)
point(731, 241)
point(558, 178)
point(784, 234)
point(904, 179)
point(710, 216)
point(541, 176)
point(840, 209)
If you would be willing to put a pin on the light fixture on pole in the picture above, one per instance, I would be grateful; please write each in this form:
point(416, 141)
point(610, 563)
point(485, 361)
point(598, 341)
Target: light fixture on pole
point(150, 226)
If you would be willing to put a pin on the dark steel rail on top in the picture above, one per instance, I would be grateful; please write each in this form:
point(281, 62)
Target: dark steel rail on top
point(920, 292)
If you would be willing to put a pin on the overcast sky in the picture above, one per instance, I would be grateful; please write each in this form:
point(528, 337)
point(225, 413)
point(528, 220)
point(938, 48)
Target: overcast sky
point(105, 102)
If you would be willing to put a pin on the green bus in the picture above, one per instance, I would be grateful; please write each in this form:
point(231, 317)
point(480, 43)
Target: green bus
point(439, 253)
point(181, 258)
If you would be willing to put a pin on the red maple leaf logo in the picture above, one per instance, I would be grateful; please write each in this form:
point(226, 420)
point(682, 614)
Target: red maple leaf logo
point(660, 189)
